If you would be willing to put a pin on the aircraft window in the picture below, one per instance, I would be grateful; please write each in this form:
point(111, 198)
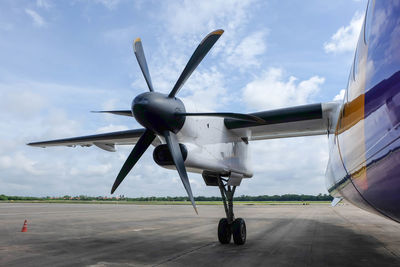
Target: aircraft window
point(368, 20)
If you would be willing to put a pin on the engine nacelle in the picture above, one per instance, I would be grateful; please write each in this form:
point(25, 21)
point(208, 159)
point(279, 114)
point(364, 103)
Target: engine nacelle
point(198, 159)
point(162, 155)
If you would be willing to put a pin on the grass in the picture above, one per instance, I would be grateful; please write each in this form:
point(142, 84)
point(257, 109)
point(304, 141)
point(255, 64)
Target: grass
point(168, 202)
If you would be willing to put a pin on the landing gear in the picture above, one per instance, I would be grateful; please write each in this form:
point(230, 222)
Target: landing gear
point(224, 231)
point(239, 231)
point(229, 226)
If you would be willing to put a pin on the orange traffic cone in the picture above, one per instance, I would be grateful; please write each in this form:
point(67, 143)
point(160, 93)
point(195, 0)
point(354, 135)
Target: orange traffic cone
point(25, 226)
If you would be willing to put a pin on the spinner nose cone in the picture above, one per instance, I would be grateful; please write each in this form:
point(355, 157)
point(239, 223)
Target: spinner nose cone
point(141, 107)
point(141, 99)
point(139, 103)
point(156, 111)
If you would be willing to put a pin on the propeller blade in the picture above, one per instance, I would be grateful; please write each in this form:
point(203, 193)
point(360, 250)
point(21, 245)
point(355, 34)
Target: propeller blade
point(141, 146)
point(176, 154)
point(139, 53)
point(115, 112)
point(231, 115)
point(198, 55)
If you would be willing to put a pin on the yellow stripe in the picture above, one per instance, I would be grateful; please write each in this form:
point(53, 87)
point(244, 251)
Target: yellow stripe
point(137, 40)
point(351, 129)
point(219, 32)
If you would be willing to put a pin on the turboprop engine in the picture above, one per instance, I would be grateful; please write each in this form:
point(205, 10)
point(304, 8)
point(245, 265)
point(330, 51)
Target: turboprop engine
point(162, 155)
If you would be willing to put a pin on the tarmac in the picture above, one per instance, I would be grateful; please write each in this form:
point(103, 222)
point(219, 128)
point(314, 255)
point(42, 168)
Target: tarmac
point(169, 235)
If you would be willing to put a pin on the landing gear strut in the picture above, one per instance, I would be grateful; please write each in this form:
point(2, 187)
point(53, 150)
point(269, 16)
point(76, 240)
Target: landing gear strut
point(230, 226)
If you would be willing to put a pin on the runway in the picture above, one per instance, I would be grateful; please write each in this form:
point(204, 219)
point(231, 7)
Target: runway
point(141, 235)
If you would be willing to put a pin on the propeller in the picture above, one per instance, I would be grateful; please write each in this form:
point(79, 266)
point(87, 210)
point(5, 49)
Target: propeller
point(165, 115)
point(116, 112)
point(176, 154)
point(140, 147)
point(198, 55)
point(139, 53)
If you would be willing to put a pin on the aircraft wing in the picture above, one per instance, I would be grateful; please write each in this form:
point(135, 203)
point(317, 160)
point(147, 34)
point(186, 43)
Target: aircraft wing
point(105, 141)
point(305, 120)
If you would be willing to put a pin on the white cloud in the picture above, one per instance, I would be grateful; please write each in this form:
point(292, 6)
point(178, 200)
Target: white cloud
point(205, 91)
point(190, 22)
point(19, 161)
point(22, 103)
point(58, 125)
point(110, 4)
point(272, 90)
point(247, 53)
point(339, 96)
point(271, 158)
point(345, 39)
point(238, 46)
point(92, 170)
point(43, 4)
point(37, 19)
point(193, 17)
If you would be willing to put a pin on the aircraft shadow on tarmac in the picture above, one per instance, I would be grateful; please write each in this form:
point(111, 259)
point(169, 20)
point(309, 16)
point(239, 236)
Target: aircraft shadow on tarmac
point(272, 242)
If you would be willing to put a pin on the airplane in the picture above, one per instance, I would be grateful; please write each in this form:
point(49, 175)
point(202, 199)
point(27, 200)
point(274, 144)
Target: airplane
point(363, 129)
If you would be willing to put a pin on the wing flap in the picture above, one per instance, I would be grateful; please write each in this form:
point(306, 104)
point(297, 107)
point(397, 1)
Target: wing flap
point(305, 120)
point(114, 138)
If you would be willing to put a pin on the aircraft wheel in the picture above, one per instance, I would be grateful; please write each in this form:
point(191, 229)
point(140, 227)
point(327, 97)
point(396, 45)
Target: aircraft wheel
point(224, 231)
point(239, 231)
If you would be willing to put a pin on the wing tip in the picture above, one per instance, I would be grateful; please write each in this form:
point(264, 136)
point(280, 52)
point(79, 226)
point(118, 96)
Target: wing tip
point(36, 145)
point(33, 144)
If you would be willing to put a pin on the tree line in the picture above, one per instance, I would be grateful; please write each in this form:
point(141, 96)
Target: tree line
point(285, 197)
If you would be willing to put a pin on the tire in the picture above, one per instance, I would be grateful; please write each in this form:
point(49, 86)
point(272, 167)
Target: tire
point(239, 231)
point(224, 231)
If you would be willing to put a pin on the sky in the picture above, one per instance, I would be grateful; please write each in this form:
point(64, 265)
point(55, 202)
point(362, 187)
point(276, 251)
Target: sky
point(62, 59)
